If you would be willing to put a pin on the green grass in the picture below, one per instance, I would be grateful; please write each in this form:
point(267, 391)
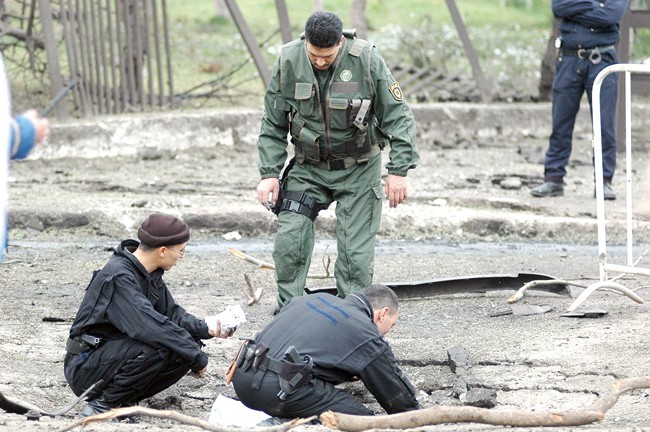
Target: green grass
point(207, 48)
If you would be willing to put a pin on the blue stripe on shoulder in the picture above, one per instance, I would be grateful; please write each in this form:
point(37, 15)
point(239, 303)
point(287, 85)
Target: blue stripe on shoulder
point(316, 309)
point(341, 311)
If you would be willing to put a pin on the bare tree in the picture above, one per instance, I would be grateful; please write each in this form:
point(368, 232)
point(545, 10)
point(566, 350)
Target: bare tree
point(548, 64)
point(358, 18)
point(220, 8)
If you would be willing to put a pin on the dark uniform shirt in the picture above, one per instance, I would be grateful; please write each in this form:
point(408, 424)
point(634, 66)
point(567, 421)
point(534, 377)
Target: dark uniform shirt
point(588, 23)
point(343, 342)
point(124, 300)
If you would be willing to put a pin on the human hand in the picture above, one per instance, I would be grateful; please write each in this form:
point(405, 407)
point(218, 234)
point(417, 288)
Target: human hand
point(41, 124)
point(216, 332)
point(396, 189)
point(201, 373)
point(268, 191)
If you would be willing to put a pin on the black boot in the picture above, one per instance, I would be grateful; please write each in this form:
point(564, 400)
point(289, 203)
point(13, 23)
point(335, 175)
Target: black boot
point(95, 406)
point(548, 189)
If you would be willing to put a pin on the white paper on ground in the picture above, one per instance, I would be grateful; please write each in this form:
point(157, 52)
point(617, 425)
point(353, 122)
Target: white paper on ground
point(230, 412)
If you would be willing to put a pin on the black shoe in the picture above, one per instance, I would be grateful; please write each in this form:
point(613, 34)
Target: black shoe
point(95, 406)
point(548, 189)
point(608, 191)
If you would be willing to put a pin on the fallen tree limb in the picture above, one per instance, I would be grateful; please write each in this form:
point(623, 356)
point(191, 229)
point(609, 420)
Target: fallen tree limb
point(252, 295)
point(268, 266)
point(241, 255)
point(522, 291)
point(182, 418)
point(462, 414)
point(622, 289)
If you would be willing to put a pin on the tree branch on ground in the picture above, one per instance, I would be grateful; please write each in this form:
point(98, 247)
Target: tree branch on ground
point(463, 414)
point(268, 266)
point(252, 295)
point(182, 418)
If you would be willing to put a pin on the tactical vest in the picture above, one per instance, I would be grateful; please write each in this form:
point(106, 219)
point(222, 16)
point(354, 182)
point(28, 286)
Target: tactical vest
point(340, 123)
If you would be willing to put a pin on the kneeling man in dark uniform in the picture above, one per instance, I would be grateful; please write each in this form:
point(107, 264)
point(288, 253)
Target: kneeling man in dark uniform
point(316, 342)
point(129, 332)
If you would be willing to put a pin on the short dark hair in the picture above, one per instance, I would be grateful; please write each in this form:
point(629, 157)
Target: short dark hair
point(323, 29)
point(381, 296)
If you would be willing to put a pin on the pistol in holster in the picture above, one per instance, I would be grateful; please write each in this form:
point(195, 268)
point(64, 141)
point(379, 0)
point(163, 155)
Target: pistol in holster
point(277, 207)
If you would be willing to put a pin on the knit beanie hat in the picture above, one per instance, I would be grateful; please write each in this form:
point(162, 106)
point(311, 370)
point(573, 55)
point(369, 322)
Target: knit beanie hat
point(162, 230)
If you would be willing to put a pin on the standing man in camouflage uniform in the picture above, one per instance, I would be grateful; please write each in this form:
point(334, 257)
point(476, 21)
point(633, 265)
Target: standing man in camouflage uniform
point(335, 96)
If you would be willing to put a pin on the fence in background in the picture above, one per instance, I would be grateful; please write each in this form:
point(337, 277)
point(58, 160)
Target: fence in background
point(117, 52)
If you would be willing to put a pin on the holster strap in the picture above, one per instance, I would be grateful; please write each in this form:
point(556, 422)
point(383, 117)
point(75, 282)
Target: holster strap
point(300, 202)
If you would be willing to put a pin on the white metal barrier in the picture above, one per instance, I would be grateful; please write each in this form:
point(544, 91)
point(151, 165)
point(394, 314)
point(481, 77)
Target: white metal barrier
point(604, 282)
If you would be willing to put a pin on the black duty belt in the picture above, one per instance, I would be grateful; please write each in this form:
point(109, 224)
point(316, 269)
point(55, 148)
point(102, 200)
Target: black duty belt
point(348, 161)
point(593, 54)
point(293, 371)
point(79, 344)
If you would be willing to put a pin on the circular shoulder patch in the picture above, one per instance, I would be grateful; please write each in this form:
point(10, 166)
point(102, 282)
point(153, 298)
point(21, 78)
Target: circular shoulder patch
point(346, 75)
point(396, 91)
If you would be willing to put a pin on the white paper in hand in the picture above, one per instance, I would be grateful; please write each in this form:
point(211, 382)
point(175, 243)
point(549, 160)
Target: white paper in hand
point(230, 318)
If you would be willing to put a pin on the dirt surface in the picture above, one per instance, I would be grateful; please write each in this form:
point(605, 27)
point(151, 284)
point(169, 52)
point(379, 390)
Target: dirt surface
point(469, 213)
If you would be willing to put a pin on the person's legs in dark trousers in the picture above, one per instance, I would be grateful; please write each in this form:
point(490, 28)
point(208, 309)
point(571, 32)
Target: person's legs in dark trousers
point(313, 399)
point(131, 371)
point(608, 100)
point(568, 88)
point(146, 375)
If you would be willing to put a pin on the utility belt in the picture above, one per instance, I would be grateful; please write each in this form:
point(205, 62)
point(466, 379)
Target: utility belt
point(348, 161)
point(594, 55)
point(78, 344)
point(293, 371)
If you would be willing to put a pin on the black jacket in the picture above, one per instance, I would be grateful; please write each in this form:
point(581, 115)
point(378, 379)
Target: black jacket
point(124, 300)
point(343, 342)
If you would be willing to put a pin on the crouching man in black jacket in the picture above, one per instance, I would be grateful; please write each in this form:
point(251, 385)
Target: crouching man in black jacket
point(316, 342)
point(129, 331)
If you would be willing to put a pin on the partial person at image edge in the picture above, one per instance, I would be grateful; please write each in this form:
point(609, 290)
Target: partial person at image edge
point(335, 96)
point(589, 32)
point(292, 367)
point(19, 135)
point(129, 332)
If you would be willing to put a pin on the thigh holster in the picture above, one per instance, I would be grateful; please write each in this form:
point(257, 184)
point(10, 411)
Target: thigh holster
point(300, 202)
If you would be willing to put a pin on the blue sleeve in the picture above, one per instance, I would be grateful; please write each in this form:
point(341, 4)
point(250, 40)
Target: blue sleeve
point(570, 8)
point(591, 13)
point(22, 137)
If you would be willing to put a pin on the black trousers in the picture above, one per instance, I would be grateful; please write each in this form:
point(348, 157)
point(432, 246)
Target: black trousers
point(131, 371)
point(315, 398)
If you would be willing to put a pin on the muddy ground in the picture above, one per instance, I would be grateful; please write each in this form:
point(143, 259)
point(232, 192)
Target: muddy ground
point(469, 213)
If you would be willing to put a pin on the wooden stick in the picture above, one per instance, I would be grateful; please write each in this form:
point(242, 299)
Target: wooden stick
point(268, 266)
point(261, 264)
point(600, 285)
point(253, 295)
point(182, 418)
point(522, 291)
point(463, 414)
point(249, 299)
